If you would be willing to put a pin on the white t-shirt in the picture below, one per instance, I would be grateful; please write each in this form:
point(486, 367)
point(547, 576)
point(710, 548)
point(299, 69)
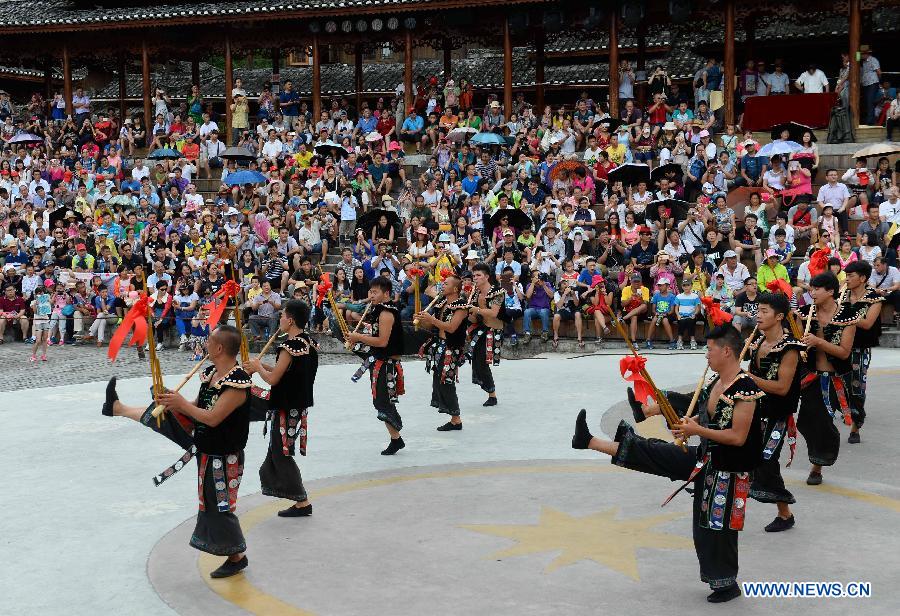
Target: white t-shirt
point(888, 209)
point(789, 234)
point(812, 84)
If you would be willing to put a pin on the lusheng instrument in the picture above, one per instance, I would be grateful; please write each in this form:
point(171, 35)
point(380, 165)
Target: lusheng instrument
point(428, 307)
point(359, 347)
point(338, 315)
point(693, 405)
point(809, 320)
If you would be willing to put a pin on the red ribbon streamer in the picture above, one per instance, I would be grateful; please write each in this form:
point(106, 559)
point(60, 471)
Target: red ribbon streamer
point(136, 320)
point(631, 368)
point(716, 315)
point(216, 309)
point(323, 288)
point(445, 273)
point(818, 262)
point(780, 285)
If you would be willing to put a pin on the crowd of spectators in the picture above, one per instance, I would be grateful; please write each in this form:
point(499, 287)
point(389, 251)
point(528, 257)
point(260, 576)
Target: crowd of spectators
point(87, 221)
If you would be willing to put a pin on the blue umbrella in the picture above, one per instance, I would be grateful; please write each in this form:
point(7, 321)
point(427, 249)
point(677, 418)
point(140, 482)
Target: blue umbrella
point(488, 139)
point(240, 178)
point(779, 147)
point(164, 154)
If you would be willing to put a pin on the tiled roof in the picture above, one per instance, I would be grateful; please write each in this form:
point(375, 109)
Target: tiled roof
point(77, 73)
point(73, 12)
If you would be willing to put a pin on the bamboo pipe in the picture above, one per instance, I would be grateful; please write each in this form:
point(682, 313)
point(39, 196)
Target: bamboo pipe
point(690, 410)
point(349, 344)
point(428, 307)
point(809, 319)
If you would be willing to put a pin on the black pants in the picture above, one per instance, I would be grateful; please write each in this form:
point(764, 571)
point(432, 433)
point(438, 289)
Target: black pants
point(860, 358)
point(717, 550)
point(481, 367)
point(384, 393)
point(443, 395)
point(279, 474)
point(768, 484)
point(823, 440)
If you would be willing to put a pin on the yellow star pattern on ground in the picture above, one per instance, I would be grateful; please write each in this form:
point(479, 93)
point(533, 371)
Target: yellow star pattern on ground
point(599, 537)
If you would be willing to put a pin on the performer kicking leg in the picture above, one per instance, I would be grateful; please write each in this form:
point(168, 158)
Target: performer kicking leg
point(292, 379)
point(823, 391)
point(446, 351)
point(220, 416)
point(487, 333)
point(774, 362)
point(729, 431)
point(866, 302)
point(384, 334)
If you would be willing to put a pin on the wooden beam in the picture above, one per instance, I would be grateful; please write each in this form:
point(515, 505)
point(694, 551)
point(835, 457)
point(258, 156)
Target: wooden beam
point(229, 86)
point(48, 78)
point(358, 76)
point(613, 64)
point(728, 81)
point(122, 91)
point(539, 78)
point(316, 82)
point(507, 69)
point(67, 80)
point(145, 87)
point(854, 93)
point(408, 98)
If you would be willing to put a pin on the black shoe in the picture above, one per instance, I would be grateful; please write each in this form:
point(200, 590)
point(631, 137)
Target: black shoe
point(447, 427)
point(583, 435)
point(636, 409)
point(491, 401)
point(779, 524)
point(295, 512)
point(814, 479)
point(111, 397)
point(725, 594)
point(229, 568)
point(396, 445)
point(853, 438)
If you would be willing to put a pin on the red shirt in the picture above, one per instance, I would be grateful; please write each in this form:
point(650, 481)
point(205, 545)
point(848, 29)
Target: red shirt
point(385, 125)
point(658, 115)
point(11, 306)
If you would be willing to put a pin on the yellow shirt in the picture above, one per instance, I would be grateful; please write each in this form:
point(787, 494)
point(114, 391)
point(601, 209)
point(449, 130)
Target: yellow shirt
point(303, 159)
point(616, 154)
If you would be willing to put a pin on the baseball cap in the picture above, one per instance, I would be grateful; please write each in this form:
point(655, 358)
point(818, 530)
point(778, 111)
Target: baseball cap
point(771, 253)
point(729, 254)
point(80, 247)
point(636, 278)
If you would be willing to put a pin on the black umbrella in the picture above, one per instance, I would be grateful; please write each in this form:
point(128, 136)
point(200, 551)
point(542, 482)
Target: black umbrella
point(516, 218)
point(678, 209)
point(330, 148)
point(368, 220)
point(60, 214)
point(668, 170)
point(629, 174)
point(241, 155)
point(795, 129)
point(611, 124)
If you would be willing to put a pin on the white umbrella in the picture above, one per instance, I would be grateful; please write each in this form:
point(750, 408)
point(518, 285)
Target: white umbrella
point(779, 147)
point(374, 136)
point(878, 149)
point(461, 133)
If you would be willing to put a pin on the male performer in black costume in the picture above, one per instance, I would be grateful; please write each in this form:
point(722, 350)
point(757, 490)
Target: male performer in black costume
point(774, 367)
point(444, 353)
point(487, 331)
point(866, 302)
point(823, 390)
point(383, 332)
point(292, 379)
point(730, 445)
point(214, 428)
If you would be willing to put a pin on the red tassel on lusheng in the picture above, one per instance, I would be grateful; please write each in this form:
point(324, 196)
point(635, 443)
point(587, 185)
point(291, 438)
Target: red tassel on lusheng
point(216, 309)
point(445, 273)
point(323, 288)
point(818, 262)
point(780, 285)
point(135, 322)
point(631, 368)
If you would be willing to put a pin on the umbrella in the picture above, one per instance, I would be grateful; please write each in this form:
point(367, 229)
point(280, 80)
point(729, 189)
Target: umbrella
point(374, 136)
point(677, 207)
point(629, 174)
point(124, 200)
point(241, 155)
point(164, 154)
point(517, 219)
point(779, 147)
point(26, 138)
point(612, 124)
point(460, 134)
point(370, 219)
point(566, 165)
point(488, 139)
point(878, 149)
point(666, 171)
point(795, 129)
point(240, 178)
point(60, 214)
point(327, 149)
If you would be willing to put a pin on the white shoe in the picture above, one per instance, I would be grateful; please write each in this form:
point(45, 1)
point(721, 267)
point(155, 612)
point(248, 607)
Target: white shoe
point(183, 339)
point(159, 346)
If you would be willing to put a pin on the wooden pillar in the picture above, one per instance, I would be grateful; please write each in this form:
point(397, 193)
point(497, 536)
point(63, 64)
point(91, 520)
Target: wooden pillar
point(539, 77)
point(507, 69)
point(145, 87)
point(408, 98)
point(229, 86)
point(122, 93)
point(358, 77)
point(854, 93)
point(448, 59)
point(641, 88)
point(67, 80)
point(48, 78)
point(614, 64)
point(728, 82)
point(195, 72)
point(276, 61)
point(250, 60)
point(316, 82)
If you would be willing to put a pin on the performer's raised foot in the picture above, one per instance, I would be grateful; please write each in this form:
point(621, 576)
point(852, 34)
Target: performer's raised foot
point(296, 512)
point(449, 426)
point(724, 594)
point(814, 479)
point(230, 567)
point(396, 445)
point(780, 524)
point(583, 436)
point(491, 401)
point(853, 438)
point(636, 408)
point(111, 398)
